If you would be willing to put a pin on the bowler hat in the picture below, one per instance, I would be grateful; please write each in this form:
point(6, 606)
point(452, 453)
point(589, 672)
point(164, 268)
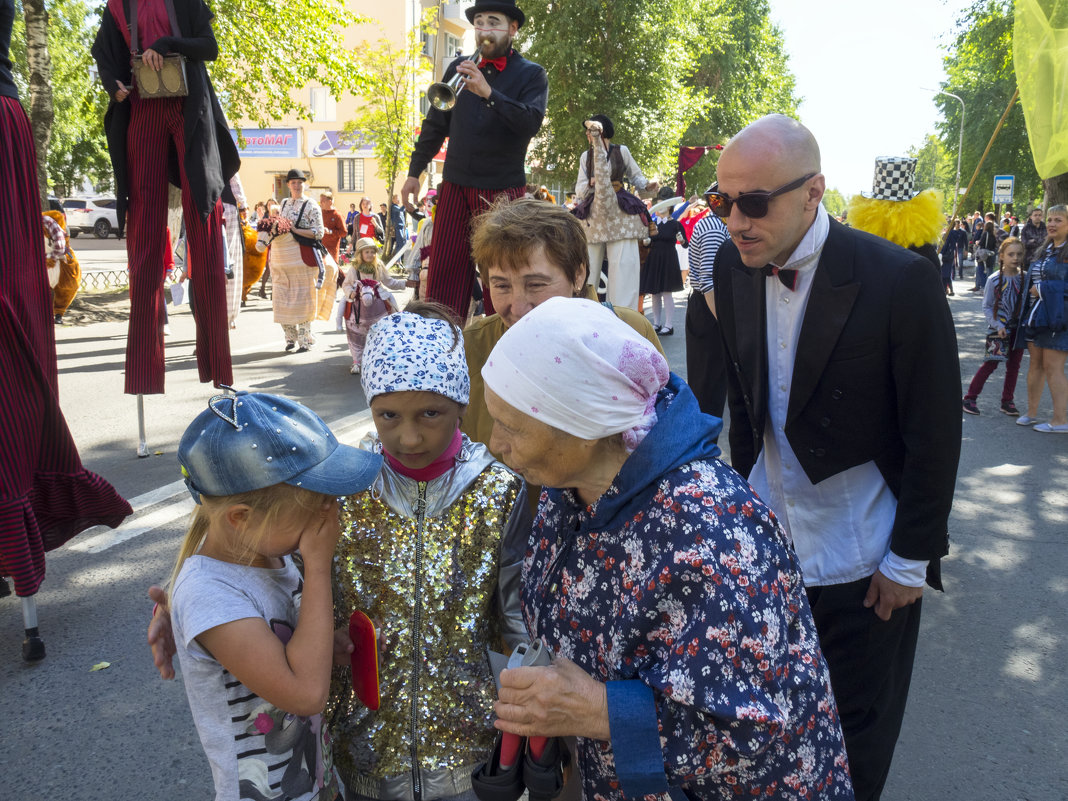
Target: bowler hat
point(296, 174)
point(507, 7)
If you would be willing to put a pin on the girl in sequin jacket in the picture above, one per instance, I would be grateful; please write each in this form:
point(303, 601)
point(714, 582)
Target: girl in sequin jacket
point(432, 553)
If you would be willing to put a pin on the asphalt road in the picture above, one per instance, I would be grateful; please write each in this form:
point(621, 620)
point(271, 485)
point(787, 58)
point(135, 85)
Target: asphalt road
point(989, 695)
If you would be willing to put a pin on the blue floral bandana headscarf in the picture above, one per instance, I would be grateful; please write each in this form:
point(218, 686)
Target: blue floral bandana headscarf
point(410, 353)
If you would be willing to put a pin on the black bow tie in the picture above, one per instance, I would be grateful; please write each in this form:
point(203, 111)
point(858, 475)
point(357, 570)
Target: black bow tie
point(788, 277)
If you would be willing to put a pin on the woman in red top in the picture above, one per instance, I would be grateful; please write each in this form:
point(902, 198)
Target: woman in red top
point(366, 223)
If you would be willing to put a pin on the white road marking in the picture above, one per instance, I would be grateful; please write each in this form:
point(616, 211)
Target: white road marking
point(349, 430)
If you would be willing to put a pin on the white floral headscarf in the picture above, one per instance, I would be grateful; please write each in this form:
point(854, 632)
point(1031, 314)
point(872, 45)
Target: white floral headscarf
point(407, 352)
point(574, 365)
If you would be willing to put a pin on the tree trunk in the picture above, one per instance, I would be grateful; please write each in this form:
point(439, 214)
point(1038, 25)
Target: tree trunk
point(40, 74)
point(1056, 190)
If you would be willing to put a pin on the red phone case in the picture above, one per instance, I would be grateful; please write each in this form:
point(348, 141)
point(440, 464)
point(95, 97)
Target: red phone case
point(364, 659)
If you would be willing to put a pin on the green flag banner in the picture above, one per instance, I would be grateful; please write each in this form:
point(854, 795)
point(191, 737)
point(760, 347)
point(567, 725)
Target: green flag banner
point(1040, 58)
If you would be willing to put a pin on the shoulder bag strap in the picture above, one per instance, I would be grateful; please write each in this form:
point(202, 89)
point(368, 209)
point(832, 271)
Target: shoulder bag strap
point(301, 215)
point(173, 18)
point(133, 27)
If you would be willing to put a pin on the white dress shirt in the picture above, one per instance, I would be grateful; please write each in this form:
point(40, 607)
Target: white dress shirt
point(841, 526)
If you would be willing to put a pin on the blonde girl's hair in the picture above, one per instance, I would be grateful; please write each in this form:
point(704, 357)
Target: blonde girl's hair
point(268, 504)
point(368, 267)
point(1061, 209)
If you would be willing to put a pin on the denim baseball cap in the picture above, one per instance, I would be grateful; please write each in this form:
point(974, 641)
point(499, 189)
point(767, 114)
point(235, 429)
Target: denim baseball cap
point(250, 440)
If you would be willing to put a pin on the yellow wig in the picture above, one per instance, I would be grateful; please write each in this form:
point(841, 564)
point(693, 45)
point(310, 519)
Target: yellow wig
point(909, 223)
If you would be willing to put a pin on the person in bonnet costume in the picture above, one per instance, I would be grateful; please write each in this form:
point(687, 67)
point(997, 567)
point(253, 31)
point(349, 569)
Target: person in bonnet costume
point(668, 593)
point(366, 295)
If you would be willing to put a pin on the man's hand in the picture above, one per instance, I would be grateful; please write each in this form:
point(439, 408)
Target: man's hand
point(153, 59)
point(160, 634)
point(474, 80)
point(887, 595)
point(409, 189)
point(122, 92)
point(556, 701)
point(1001, 330)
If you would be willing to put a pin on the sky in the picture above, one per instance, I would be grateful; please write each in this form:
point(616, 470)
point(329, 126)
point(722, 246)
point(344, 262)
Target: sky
point(861, 68)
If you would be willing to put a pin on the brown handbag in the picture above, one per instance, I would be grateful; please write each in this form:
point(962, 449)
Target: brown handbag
point(171, 80)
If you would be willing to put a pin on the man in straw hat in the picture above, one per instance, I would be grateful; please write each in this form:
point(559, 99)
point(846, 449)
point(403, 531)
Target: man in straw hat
point(498, 112)
point(843, 384)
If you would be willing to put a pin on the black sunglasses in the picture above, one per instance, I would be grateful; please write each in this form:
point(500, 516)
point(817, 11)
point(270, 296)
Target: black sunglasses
point(751, 204)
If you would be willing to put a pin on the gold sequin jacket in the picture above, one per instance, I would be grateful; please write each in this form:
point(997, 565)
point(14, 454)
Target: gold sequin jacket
point(436, 565)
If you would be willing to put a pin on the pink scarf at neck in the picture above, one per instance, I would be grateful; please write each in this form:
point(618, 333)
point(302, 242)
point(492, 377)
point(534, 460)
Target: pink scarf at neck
point(438, 467)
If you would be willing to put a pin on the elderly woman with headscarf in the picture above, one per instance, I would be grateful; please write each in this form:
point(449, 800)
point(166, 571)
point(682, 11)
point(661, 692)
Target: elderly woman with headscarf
point(671, 598)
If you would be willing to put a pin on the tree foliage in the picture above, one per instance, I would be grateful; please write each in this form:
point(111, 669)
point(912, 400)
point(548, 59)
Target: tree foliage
point(936, 168)
point(741, 72)
point(39, 77)
point(627, 60)
point(835, 202)
point(979, 68)
point(387, 115)
point(76, 151)
point(667, 72)
point(269, 50)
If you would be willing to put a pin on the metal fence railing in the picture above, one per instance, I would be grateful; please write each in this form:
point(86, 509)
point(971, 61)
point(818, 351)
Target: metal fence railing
point(103, 279)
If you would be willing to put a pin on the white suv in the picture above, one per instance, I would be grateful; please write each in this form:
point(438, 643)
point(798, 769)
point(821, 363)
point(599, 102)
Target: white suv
point(91, 214)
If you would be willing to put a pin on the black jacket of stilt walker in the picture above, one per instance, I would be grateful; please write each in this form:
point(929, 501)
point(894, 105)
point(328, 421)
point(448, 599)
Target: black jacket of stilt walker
point(211, 157)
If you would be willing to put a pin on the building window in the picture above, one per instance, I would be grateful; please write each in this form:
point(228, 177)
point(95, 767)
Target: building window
point(350, 175)
point(452, 46)
point(323, 106)
point(428, 40)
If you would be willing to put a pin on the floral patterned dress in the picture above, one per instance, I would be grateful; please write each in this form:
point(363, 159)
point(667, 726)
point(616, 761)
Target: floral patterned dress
point(681, 591)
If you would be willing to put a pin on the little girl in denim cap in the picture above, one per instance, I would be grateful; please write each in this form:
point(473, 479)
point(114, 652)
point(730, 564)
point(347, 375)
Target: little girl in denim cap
point(254, 635)
point(433, 555)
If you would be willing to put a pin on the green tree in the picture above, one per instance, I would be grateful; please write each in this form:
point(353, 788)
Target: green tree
point(266, 58)
point(627, 60)
point(38, 101)
point(741, 73)
point(76, 150)
point(936, 168)
point(834, 202)
point(269, 50)
point(387, 115)
point(979, 68)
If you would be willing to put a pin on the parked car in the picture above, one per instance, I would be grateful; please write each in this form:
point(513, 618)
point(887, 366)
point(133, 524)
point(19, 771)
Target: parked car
point(96, 214)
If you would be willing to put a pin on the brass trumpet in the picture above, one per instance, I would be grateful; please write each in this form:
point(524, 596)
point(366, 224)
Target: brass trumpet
point(442, 95)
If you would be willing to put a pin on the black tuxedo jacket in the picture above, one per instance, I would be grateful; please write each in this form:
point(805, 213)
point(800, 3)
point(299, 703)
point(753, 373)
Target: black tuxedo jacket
point(876, 378)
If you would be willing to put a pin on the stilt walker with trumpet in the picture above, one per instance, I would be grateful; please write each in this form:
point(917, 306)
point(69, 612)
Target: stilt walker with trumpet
point(489, 109)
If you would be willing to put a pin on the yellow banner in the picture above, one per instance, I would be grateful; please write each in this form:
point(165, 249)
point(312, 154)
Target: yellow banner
point(1040, 57)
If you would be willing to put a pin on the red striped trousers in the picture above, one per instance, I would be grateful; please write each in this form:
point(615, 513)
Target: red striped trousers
point(156, 126)
point(452, 272)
